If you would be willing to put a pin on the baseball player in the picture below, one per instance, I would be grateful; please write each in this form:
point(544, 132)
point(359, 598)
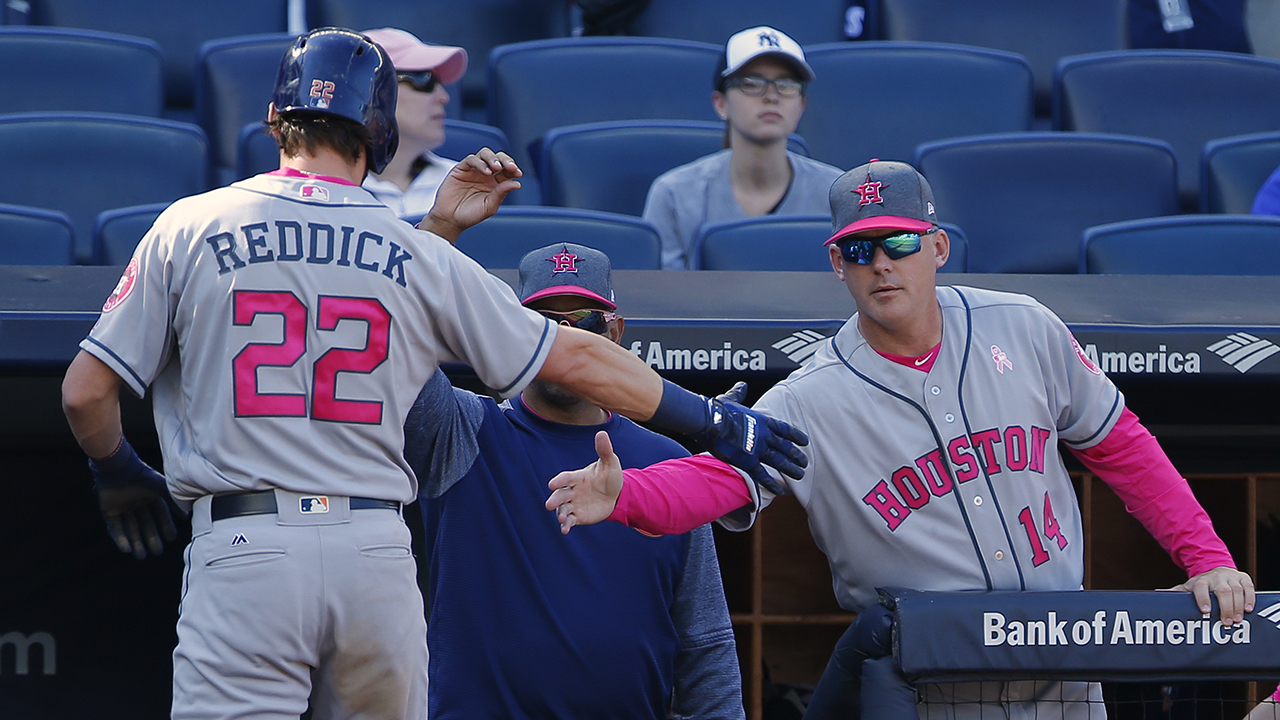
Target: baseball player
point(278, 321)
point(934, 413)
point(622, 625)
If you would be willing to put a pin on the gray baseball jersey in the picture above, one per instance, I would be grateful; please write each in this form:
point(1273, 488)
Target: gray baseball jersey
point(286, 325)
point(949, 480)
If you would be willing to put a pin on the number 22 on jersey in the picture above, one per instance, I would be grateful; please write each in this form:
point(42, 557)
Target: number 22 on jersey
point(247, 305)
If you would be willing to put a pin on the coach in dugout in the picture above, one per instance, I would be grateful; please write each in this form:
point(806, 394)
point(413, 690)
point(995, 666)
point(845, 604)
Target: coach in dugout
point(933, 415)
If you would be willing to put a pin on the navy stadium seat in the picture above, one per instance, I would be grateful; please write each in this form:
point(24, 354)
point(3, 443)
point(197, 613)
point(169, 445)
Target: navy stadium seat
point(57, 69)
point(785, 243)
point(179, 28)
point(35, 236)
point(882, 99)
point(573, 160)
point(1234, 169)
point(1184, 245)
point(545, 84)
point(1023, 199)
point(713, 21)
point(1042, 32)
point(503, 239)
point(1184, 97)
point(258, 153)
point(476, 25)
point(234, 80)
point(84, 163)
point(116, 232)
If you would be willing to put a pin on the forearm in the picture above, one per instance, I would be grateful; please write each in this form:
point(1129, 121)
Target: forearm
point(603, 373)
point(91, 402)
point(676, 496)
point(1134, 465)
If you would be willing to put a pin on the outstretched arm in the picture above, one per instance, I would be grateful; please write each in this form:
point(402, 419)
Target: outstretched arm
point(472, 192)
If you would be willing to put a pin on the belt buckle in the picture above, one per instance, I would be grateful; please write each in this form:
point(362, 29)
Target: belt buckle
point(313, 504)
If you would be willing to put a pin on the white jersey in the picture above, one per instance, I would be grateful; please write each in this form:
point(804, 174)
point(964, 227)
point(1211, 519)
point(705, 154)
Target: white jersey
point(288, 323)
point(949, 480)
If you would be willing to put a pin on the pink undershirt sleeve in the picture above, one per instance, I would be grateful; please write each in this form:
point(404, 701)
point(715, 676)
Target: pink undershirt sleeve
point(1132, 463)
point(676, 496)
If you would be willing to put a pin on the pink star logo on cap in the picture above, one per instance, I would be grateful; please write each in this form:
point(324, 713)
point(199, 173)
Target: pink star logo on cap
point(870, 192)
point(566, 262)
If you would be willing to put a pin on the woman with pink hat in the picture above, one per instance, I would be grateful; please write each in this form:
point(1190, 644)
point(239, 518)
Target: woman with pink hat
point(408, 183)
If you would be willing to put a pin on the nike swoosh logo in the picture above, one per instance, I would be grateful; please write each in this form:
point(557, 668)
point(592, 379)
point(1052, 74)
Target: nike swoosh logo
point(923, 360)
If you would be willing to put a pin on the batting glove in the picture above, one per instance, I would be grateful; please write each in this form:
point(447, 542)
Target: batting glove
point(133, 498)
point(738, 435)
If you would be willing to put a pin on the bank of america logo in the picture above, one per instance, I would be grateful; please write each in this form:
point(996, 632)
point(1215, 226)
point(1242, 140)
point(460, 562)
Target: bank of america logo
point(1272, 613)
point(801, 345)
point(1242, 351)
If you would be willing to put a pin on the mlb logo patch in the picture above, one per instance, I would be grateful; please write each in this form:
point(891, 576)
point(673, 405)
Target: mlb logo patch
point(315, 192)
point(315, 505)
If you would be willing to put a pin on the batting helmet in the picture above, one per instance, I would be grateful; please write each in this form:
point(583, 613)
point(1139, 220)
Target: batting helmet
point(340, 72)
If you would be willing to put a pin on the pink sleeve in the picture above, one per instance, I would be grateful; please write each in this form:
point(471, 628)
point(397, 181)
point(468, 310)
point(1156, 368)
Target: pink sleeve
point(1133, 464)
point(676, 496)
point(1276, 695)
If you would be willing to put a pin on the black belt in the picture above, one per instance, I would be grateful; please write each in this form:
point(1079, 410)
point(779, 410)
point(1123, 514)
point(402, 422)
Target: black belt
point(263, 502)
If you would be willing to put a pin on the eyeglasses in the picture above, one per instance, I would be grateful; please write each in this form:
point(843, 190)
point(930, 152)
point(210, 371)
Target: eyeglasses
point(422, 81)
point(596, 321)
point(861, 251)
point(755, 85)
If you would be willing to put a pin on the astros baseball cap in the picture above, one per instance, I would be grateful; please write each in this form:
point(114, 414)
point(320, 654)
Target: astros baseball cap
point(881, 195)
point(754, 42)
point(566, 269)
point(409, 54)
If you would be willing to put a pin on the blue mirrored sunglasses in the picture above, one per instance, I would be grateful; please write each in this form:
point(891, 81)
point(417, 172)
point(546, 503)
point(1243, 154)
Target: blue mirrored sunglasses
point(860, 251)
point(596, 321)
point(422, 81)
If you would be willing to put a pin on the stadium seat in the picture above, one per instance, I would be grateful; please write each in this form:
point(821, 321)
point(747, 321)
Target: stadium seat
point(461, 138)
point(503, 239)
point(1041, 32)
point(116, 232)
point(234, 80)
point(57, 70)
point(713, 21)
point(84, 163)
point(882, 99)
point(34, 236)
point(785, 243)
point(540, 85)
point(1184, 245)
point(477, 25)
point(1233, 169)
point(1023, 199)
point(178, 27)
point(1184, 97)
point(637, 151)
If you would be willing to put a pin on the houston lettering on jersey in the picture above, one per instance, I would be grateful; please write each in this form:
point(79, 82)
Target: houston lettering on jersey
point(910, 487)
point(318, 244)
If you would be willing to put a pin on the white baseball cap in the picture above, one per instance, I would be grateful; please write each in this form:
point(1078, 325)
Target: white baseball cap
point(751, 43)
point(409, 54)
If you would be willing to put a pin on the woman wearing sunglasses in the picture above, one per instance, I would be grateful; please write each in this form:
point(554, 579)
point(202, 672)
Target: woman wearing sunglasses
point(409, 182)
point(760, 93)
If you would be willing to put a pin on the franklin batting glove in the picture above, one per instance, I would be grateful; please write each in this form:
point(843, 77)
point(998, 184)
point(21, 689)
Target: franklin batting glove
point(133, 498)
point(742, 437)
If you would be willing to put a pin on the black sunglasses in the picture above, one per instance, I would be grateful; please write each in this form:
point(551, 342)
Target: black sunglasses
point(596, 321)
point(422, 81)
point(860, 251)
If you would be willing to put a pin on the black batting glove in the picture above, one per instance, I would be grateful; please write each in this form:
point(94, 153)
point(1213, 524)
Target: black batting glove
point(133, 498)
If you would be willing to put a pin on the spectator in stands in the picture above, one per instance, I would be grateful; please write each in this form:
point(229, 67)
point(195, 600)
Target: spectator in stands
point(759, 90)
point(409, 182)
point(1268, 200)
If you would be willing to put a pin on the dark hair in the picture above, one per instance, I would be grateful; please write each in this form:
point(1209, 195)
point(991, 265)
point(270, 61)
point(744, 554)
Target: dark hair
point(299, 130)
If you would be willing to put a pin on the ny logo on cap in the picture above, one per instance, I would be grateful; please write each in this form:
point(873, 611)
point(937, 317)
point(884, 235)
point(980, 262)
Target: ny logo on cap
point(566, 262)
point(768, 38)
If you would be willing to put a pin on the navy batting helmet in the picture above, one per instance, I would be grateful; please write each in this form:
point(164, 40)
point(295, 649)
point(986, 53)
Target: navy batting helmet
point(337, 71)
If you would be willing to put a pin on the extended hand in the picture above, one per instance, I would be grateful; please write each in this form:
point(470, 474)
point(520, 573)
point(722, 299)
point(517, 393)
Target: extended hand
point(133, 498)
point(472, 192)
point(749, 440)
point(589, 495)
point(1234, 590)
